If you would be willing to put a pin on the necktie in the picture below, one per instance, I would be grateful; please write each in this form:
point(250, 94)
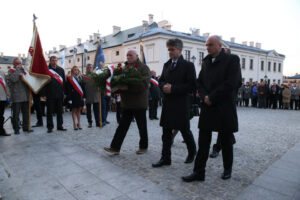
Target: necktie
point(173, 65)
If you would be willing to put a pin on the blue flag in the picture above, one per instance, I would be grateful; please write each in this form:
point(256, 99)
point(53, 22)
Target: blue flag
point(99, 59)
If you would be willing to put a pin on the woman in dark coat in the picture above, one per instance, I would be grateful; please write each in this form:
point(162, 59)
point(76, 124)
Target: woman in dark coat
point(75, 95)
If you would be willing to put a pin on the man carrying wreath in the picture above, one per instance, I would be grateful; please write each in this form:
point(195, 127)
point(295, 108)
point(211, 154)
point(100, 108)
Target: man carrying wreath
point(134, 103)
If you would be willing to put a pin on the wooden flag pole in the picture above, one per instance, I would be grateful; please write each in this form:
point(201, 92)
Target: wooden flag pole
point(100, 110)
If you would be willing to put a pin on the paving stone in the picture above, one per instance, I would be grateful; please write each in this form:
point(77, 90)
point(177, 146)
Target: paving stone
point(257, 192)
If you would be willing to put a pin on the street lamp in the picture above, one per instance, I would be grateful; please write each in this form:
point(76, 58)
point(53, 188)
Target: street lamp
point(193, 59)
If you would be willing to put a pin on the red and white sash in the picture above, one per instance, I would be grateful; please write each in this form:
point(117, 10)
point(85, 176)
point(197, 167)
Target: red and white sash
point(56, 76)
point(3, 83)
point(88, 78)
point(75, 85)
point(155, 82)
point(108, 85)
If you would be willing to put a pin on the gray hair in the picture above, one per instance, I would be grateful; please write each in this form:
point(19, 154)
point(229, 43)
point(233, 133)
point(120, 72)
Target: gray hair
point(177, 43)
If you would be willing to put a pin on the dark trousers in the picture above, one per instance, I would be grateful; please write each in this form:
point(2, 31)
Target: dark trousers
point(2, 108)
point(38, 108)
point(153, 105)
point(118, 112)
point(126, 119)
point(54, 106)
point(254, 101)
point(262, 102)
point(16, 108)
point(89, 113)
point(218, 146)
point(203, 151)
point(246, 102)
point(274, 102)
point(104, 107)
point(167, 138)
point(280, 102)
point(292, 103)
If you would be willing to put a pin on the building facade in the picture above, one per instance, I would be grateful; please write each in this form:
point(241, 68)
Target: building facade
point(256, 64)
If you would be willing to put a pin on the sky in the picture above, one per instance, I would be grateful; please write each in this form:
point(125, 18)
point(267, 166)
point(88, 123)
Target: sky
point(274, 23)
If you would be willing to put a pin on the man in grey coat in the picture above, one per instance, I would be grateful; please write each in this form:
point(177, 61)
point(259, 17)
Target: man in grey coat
point(19, 93)
point(92, 97)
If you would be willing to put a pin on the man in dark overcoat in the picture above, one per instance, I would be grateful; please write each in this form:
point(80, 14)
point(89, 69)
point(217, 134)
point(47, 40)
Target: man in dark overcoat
point(177, 81)
point(218, 81)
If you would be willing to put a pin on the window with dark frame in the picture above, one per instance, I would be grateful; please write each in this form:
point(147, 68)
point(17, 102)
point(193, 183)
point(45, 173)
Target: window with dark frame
point(201, 56)
point(279, 67)
point(117, 53)
point(243, 63)
point(78, 59)
point(187, 54)
point(88, 58)
point(279, 81)
point(251, 64)
point(69, 61)
point(269, 66)
point(262, 65)
point(274, 67)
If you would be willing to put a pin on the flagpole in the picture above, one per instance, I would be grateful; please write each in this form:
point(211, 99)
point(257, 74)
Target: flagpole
point(100, 102)
point(29, 96)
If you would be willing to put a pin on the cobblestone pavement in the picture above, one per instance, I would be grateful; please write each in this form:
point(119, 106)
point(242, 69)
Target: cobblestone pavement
point(264, 136)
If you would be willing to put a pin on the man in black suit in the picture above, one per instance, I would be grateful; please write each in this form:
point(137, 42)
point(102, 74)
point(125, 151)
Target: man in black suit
point(218, 81)
point(54, 92)
point(177, 81)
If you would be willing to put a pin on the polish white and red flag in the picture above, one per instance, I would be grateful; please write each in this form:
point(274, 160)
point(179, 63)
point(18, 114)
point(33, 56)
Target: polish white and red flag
point(37, 73)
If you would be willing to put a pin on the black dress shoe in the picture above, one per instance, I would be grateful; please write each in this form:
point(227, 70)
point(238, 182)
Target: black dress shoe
point(194, 177)
point(156, 118)
point(90, 125)
point(214, 154)
point(49, 131)
point(161, 163)
point(97, 125)
point(37, 125)
point(61, 129)
point(226, 174)
point(189, 158)
point(4, 134)
point(17, 132)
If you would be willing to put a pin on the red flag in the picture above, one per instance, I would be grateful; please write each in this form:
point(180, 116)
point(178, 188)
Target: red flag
point(38, 74)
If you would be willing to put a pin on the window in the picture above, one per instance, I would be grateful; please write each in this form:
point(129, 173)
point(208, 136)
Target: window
point(274, 67)
point(187, 54)
point(69, 61)
point(243, 63)
point(130, 35)
point(279, 67)
point(262, 65)
point(251, 64)
point(274, 80)
point(201, 56)
point(278, 82)
point(250, 80)
point(269, 66)
point(78, 59)
point(117, 53)
point(88, 58)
